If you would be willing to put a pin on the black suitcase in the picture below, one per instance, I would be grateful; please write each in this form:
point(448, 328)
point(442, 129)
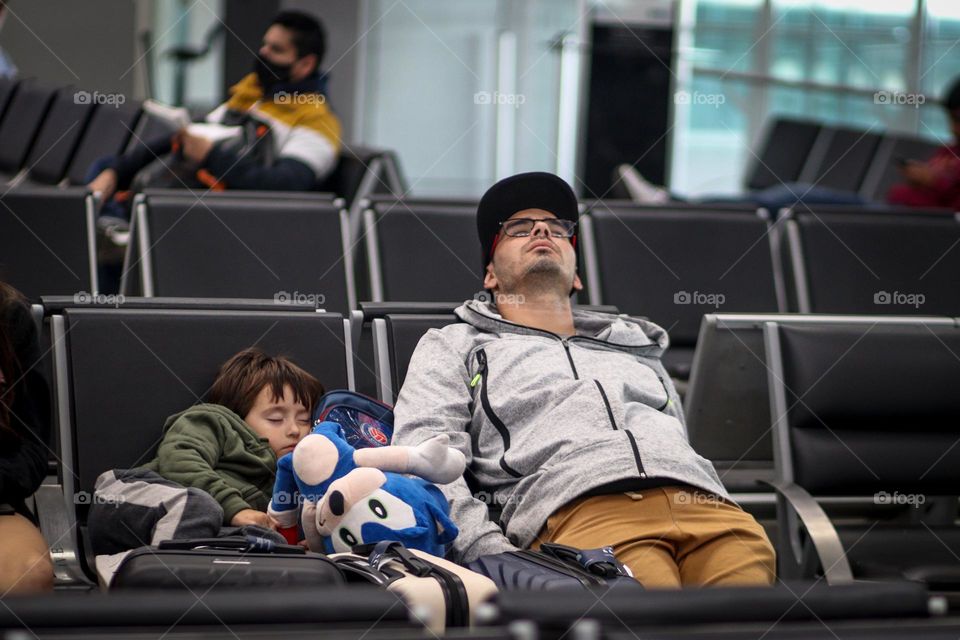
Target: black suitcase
point(224, 563)
point(555, 566)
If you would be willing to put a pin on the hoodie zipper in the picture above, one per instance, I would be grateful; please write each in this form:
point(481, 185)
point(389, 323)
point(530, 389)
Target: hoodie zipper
point(494, 419)
point(630, 436)
point(502, 428)
point(573, 367)
point(606, 403)
point(636, 453)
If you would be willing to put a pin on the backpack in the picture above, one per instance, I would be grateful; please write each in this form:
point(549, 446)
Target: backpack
point(366, 422)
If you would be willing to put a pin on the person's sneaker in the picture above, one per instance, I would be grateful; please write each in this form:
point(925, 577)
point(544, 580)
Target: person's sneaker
point(113, 235)
point(640, 189)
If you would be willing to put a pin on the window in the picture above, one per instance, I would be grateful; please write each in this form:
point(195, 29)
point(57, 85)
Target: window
point(820, 59)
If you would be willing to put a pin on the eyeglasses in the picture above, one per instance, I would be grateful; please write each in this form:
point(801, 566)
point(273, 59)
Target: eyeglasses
point(523, 227)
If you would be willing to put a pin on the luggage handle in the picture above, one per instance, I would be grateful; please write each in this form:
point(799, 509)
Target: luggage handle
point(599, 562)
point(232, 543)
point(386, 550)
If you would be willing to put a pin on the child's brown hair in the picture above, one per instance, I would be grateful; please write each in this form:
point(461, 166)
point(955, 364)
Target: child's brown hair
point(243, 376)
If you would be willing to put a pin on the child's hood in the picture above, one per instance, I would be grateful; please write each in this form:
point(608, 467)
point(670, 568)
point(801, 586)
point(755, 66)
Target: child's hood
point(222, 417)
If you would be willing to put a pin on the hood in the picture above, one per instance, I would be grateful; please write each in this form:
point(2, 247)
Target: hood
point(235, 422)
point(617, 330)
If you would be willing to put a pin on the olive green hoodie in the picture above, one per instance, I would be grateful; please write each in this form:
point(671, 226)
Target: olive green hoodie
point(211, 448)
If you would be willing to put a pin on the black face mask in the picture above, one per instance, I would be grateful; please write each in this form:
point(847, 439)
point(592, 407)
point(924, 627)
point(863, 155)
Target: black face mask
point(270, 74)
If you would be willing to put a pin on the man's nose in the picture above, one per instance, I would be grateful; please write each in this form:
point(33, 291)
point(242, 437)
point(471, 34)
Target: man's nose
point(540, 228)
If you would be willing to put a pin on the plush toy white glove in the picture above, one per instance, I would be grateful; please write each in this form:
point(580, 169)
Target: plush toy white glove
point(436, 461)
point(433, 460)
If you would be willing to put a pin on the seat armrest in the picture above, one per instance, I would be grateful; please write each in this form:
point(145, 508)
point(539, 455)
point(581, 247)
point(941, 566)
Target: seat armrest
point(59, 533)
point(826, 541)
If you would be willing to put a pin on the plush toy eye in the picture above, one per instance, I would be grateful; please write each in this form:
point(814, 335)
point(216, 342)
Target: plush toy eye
point(348, 538)
point(378, 509)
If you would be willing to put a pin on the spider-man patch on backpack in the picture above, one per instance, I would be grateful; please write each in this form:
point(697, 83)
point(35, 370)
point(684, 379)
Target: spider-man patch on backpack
point(366, 422)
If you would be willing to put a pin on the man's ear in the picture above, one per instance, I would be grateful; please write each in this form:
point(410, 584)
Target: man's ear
point(304, 66)
point(490, 278)
point(577, 285)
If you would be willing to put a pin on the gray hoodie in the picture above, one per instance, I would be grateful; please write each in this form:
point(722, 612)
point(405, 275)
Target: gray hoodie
point(543, 419)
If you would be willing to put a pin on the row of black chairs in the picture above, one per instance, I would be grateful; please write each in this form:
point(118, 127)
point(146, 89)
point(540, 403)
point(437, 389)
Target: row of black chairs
point(787, 610)
point(53, 135)
point(855, 456)
point(674, 263)
point(843, 158)
point(671, 263)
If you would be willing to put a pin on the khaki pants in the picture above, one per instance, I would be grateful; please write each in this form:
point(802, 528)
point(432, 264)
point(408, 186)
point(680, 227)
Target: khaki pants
point(669, 537)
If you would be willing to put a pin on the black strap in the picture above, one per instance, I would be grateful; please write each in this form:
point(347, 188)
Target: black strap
point(600, 562)
point(386, 550)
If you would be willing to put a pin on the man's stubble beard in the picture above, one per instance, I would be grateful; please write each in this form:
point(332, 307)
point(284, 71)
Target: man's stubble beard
point(544, 276)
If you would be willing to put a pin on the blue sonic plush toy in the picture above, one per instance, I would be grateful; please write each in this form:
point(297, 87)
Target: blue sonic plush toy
point(357, 496)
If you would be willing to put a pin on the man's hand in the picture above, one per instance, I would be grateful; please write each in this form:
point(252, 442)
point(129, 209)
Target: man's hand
point(252, 516)
point(105, 183)
point(194, 148)
point(918, 174)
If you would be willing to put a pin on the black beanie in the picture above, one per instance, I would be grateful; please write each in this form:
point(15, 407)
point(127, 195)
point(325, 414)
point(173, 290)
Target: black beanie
point(535, 190)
